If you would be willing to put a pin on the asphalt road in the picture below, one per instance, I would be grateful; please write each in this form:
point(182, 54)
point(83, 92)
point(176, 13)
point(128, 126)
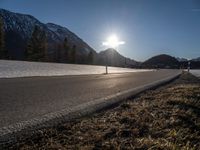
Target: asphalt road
point(26, 98)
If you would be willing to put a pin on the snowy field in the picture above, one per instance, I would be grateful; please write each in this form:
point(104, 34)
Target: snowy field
point(12, 69)
point(195, 72)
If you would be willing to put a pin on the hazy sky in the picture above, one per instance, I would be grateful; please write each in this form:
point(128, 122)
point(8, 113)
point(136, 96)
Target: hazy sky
point(148, 27)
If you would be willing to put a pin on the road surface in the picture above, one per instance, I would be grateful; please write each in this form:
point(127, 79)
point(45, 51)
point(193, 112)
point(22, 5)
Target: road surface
point(26, 98)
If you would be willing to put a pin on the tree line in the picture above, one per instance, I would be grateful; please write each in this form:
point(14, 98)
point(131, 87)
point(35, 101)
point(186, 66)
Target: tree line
point(68, 54)
point(37, 48)
point(65, 53)
point(3, 51)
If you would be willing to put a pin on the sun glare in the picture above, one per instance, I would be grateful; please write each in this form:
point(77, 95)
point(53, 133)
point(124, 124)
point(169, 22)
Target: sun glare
point(113, 42)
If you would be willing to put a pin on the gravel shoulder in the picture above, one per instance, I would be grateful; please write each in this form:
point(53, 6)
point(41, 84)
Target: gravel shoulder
point(164, 118)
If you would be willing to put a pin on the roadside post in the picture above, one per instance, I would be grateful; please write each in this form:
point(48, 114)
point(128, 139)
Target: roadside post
point(112, 42)
point(188, 66)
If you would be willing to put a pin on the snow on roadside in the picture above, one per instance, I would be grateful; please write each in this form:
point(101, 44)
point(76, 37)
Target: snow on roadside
point(12, 69)
point(196, 73)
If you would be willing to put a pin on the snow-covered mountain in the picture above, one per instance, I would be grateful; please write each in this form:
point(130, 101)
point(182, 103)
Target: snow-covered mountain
point(19, 27)
point(196, 59)
point(181, 59)
point(73, 39)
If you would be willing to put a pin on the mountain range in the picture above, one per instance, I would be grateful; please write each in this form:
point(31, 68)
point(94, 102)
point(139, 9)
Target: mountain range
point(18, 29)
point(196, 59)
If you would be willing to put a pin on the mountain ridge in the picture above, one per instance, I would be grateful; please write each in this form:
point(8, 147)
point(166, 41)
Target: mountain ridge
point(22, 25)
point(19, 27)
point(161, 61)
point(195, 59)
point(113, 58)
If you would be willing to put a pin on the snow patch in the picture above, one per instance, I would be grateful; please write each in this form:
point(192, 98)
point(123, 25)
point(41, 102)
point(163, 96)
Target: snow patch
point(12, 69)
point(195, 73)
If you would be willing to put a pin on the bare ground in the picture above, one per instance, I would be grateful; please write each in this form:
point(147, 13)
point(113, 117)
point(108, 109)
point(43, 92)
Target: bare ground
point(165, 118)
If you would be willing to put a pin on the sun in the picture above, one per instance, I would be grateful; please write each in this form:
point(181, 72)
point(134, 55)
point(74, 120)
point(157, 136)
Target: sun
point(113, 41)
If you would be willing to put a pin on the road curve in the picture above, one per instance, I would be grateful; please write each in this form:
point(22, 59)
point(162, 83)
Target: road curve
point(22, 99)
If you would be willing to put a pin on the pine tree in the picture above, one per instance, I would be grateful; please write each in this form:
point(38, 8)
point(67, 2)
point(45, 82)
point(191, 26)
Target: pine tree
point(73, 54)
point(3, 52)
point(90, 57)
point(58, 53)
point(44, 47)
point(37, 46)
point(66, 50)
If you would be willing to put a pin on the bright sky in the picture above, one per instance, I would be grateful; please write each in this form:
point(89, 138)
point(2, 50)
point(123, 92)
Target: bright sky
point(148, 27)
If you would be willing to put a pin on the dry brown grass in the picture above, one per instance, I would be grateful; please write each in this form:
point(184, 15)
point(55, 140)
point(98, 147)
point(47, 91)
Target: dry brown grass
point(165, 118)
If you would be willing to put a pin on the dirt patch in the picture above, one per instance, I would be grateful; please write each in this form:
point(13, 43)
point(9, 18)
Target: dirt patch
point(165, 118)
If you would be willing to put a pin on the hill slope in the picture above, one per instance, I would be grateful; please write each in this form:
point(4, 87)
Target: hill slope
point(19, 27)
point(113, 58)
point(196, 59)
point(161, 61)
